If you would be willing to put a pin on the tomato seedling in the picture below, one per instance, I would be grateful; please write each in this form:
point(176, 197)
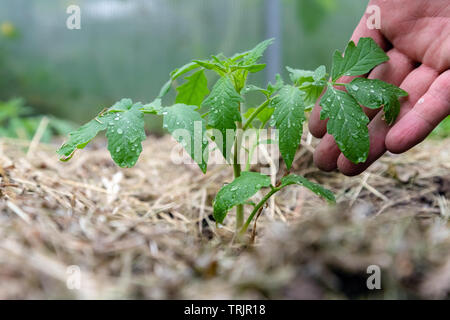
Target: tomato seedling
point(197, 110)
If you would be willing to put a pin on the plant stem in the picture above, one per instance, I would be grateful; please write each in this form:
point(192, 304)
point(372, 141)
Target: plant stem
point(255, 113)
point(340, 84)
point(257, 207)
point(237, 173)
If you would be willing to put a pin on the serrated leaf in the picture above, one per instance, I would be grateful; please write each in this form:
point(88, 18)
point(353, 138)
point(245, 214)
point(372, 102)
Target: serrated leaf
point(347, 123)
point(374, 94)
point(357, 60)
point(82, 136)
point(193, 138)
point(314, 187)
point(224, 111)
point(238, 192)
point(194, 90)
point(257, 52)
point(125, 133)
point(249, 58)
point(288, 117)
point(279, 83)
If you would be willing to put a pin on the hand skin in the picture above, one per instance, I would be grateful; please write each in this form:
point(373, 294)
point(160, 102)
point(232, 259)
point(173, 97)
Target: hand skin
point(416, 36)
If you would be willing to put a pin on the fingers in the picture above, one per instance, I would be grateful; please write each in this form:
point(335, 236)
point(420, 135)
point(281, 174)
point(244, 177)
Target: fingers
point(326, 154)
point(318, 127)
point(416, 83)
point(426, 114)
point(393, 71)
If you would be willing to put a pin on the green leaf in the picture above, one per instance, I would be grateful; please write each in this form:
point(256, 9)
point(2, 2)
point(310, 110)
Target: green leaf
point(257, 52)
point(299, 76)
point(320, 73)
point(357, 60)
point(238, 192)
point(250, 68)
point(153, 107)
point(176, 74)
point(251, 88)
point(279, 83)
point(249, 58)
point(193, 90)
point(122, 105)
point(311, 83)
point(347, 123)
point(288, 118)
point(219, 68)
point(188, 128)
point(80, 138)
point(314, 187)
point(374, 94)
point(224, 111)
point(271, 88)
point(262, 116)
point(125, 133)
point(311, 92)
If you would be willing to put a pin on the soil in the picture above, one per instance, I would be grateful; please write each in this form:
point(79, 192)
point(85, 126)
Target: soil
point(148, 232)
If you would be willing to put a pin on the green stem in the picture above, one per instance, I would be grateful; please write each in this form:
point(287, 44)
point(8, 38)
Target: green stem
point(340, 84)
point(237, 173)
point(252, 149)
point(257, 207)
point(255, 113)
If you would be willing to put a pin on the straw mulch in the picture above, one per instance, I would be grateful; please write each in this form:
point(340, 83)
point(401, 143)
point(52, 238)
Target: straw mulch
point(148, 232)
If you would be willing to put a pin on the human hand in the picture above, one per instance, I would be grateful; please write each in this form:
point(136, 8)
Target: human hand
point(416, 36)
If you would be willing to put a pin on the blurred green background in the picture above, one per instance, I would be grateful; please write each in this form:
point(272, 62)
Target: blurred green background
point(126, 48)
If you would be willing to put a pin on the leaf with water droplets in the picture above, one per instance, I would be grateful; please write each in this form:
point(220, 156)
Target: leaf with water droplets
point(357, 60)
point(81, 137)
point(347, 123)
point(224, 112)
point(374, 94)
point(288, 118)
point(238, 192)
point(126, 133)
point(188, 128)
point(314, 187)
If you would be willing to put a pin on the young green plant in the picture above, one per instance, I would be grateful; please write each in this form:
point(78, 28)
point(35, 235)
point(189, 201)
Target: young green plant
point(218, 117)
